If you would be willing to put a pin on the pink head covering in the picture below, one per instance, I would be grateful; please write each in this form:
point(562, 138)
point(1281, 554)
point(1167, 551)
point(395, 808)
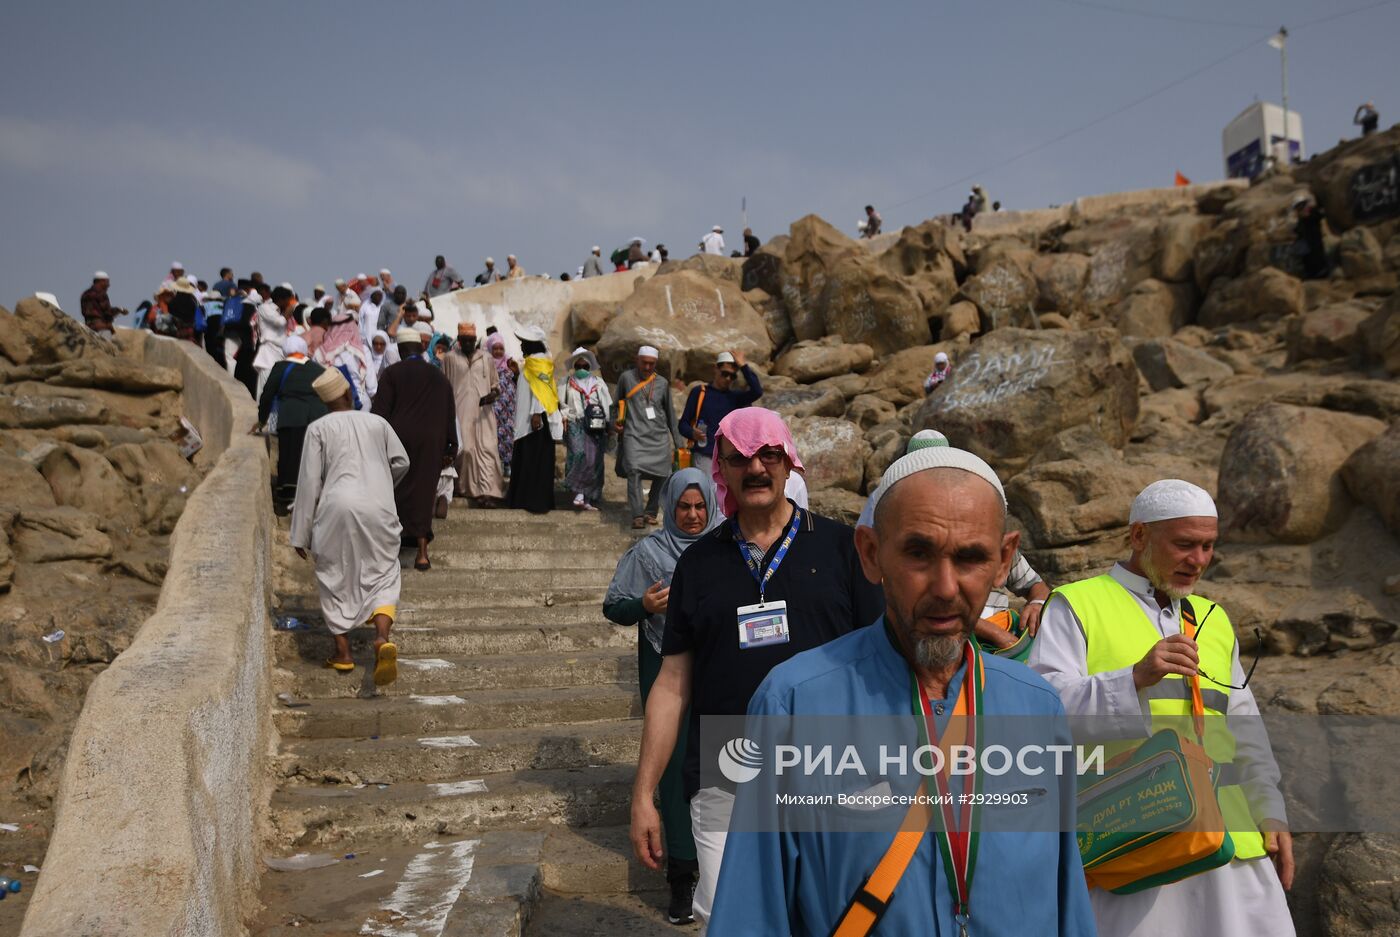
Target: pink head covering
point(748, 430)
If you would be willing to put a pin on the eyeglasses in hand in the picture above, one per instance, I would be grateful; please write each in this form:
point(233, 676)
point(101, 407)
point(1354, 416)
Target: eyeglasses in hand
point(1258, 652)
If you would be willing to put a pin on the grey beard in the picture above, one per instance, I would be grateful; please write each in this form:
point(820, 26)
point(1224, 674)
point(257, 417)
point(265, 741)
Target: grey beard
point(933, 653)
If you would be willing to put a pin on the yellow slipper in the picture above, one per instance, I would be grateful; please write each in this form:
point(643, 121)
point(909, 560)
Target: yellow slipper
point(340, 666)
point(386, 664)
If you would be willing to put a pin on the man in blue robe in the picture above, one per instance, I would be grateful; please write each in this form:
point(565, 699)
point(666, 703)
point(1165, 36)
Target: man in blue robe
point(938, 546)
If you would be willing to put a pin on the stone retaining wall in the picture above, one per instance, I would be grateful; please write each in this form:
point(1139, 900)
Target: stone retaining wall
point(164, 793)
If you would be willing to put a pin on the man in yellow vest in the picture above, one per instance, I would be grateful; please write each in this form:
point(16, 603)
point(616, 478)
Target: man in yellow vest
point(1114, 648)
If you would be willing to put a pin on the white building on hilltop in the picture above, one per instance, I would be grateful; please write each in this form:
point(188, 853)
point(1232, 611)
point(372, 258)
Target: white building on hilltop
point(1258, 133)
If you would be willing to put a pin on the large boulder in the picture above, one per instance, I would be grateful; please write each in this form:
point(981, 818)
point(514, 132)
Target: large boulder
point(929, 257)
point(775, 317)
point(588, 320)
point(22, 485)
point(35, 412)
point(1060, 279)
point(1381, 333)
point(1372, 475)
point(806, 362)
point(867, 411)
point(813, 250)
point(1360, 896)
point(85, 480)
point(804, 401)
point(1154, 309)
point(1122, 252)
point(1280, 476)
point(689, 319)
point(1177, 236)
point(711, 266)
point(833, 452)
point(1352, 180)
point(899, 378)
point(764, 270)
point(861, 301)
point(960, 319)
point(1266, 294)
point(47, 535)
point(1017, 388)
point(1004, 285)
point(1359, 254)
point(1333, 331)
point(53, 335)
point(1167, 363)
point(116, 374)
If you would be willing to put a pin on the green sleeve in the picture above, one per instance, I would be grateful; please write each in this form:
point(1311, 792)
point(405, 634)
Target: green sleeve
point(625, 611)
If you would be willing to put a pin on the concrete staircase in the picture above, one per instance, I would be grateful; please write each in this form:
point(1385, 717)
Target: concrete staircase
point(485, 793)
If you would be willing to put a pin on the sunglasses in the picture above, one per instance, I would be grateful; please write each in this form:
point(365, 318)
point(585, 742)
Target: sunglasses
point(1258, 652)
point(726, 373)
point(769, 455)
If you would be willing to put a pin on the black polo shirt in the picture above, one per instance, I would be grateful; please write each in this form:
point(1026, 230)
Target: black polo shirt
point(827, 596)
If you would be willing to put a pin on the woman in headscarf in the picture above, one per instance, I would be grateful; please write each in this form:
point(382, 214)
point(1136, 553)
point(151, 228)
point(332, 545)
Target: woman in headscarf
point(538, 426)
point(382, 352)
point(586, 406)
point(637, 595)
point(507, 373)
point(344, 348)
point(288, 392)
point(439, 345)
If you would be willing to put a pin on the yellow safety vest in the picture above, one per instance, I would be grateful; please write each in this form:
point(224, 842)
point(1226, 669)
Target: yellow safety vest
point(1118, 634)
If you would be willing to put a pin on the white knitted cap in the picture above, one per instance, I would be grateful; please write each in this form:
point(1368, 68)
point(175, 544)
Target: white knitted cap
point(932, 457)
point(1169, 499)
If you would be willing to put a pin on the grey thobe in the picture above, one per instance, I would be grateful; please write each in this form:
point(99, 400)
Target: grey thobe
point(479, 472)
point(649, 438)
point(345, 515)
point(591, 266)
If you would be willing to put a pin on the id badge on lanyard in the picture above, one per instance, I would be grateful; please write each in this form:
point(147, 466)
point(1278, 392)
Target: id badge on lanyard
point(766, 622)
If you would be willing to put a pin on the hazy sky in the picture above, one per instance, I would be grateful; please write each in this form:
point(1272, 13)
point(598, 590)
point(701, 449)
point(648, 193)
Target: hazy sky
point(309, 139)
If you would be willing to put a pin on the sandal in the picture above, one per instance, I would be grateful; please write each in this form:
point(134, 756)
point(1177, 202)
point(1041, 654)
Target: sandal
point(638, 523)
point(386, 664)
point(340, 666)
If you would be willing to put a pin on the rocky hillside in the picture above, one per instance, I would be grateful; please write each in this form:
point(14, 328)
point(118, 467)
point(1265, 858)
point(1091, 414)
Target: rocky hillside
point(1098, 347)
point(90, 487)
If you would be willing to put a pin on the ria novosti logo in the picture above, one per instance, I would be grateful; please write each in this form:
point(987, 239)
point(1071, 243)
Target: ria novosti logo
point(740, 760)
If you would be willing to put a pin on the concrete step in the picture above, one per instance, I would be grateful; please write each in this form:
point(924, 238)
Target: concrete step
point(309, 815)
point(426, 634)
point(400, 759)
point(594, 860)
point(459, 518)
point(484, 885)
point(506, 595)
point(603, 915)
point(525, 539)
point(444, 713)
point(473, 582)
point(586, 556)
point(588, 667)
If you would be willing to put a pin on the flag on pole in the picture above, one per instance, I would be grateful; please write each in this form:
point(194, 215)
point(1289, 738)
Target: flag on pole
point(1278, 39)
point(1181, 180)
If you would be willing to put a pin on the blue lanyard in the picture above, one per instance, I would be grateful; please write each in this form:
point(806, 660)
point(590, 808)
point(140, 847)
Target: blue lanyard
point(760, 575)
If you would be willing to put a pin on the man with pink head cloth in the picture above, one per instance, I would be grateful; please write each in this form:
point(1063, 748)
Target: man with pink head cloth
point(772, 581)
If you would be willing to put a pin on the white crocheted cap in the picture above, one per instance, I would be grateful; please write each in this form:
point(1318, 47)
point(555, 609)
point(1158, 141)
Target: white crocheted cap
point(1169, 499)
point(933, 457)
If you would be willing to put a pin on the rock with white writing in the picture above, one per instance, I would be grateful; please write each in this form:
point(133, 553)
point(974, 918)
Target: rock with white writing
point(1280, 477)
point(1004, 285)
point(1356, 181)
point(689, 319)
point(1016, 388)
point(833, 452)
point(1122, 253)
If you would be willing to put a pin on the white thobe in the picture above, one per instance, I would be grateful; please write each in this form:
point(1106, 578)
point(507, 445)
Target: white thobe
point(345, 515)
point(713, 242)
point(346, 302)
point(1241, 899)
point(369, 320)
point(272, 332)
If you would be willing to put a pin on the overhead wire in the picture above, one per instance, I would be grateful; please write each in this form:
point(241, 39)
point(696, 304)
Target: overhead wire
point(1031, 151)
